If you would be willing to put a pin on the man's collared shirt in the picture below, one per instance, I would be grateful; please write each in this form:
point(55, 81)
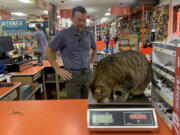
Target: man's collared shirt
point(74, 48)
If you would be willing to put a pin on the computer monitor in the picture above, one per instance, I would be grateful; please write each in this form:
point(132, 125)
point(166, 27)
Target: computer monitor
point(6, 44)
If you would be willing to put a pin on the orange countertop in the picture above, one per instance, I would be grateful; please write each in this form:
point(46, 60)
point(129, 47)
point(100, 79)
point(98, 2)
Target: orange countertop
point(5, 90)
point(60, 117)
point(34, 69)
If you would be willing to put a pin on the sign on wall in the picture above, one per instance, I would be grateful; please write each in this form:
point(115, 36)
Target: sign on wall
point(10, 25)
point(4, 15)
point(120, 11)
point(175, 2)
point(65, 13)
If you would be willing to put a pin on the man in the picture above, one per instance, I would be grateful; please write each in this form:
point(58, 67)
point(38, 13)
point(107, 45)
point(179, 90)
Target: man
point(40, 40)
point(74, 43)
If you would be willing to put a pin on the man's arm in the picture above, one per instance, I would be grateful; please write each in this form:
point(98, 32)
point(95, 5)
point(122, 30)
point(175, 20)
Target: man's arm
point(52, 60)
point(93, 57)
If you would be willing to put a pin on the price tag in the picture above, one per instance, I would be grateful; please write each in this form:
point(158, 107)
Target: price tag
point(163, 73)
point(165, 51)
point(170, 102)
point(164, 97)
point(160, 71)
point(158, 49)
point(170, 77)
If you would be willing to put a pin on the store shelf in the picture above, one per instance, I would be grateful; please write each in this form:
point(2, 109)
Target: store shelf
point(36, 89)
point(164, 48)
point(164, 72)
point(165, 118)
point(50, 81)
point(163, 95)
point(167, 69)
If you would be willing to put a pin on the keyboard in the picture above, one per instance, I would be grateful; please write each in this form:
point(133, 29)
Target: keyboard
point(4, 84)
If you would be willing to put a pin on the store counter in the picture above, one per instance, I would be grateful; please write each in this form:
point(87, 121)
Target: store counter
point(11, 93)
point(60, 117)
point(30, 76)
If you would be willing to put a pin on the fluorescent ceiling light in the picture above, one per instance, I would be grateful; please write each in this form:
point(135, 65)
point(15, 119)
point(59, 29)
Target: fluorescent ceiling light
point(46, 12)
point(107, 14)
point(18, 14)
point(25, 1)
point(104, 18)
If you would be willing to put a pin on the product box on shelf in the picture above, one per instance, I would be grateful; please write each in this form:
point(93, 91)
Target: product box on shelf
point(176, 102)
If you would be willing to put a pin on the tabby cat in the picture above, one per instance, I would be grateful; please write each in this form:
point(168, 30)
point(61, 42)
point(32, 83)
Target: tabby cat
point(128, 72)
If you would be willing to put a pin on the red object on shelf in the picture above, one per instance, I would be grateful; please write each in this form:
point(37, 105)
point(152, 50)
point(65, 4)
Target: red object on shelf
point(66, 13)
point(176, 99)
point(102, 24)
point(148, 52)
point(100, 45)
point(111, 42)
point(120, 11)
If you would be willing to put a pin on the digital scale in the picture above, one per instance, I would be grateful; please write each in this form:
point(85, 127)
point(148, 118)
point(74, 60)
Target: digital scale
point(134, 115)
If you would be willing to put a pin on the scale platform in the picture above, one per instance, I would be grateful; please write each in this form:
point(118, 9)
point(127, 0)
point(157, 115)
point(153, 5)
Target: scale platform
point(134, 115)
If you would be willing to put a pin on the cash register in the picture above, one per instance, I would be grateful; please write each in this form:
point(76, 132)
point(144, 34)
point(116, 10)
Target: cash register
point(12, 64)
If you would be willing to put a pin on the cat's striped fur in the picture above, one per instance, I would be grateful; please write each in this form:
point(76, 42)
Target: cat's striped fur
point(128, 72)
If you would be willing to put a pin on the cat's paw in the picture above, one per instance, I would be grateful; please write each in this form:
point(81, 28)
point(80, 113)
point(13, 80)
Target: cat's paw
point(123, 98)
point(131, 96)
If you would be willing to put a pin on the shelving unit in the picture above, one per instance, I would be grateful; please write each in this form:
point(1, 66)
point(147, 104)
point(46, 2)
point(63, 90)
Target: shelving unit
point(52, 79)
point(163, 64)
point(160, 23)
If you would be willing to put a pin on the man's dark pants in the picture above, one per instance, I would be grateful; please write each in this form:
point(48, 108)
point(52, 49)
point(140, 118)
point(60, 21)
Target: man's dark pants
point(76, 87)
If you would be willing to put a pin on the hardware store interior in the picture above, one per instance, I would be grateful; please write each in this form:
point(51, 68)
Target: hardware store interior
point(87, 67)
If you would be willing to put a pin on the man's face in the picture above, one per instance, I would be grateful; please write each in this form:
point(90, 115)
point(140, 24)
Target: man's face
point(36, 28)
point(79, 21)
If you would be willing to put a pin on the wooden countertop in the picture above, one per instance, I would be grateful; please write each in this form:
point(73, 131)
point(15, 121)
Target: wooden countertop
point(5, 90)
point(34, 69)
point(60, 117)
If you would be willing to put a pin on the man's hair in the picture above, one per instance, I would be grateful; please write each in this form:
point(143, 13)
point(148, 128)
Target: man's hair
point(38, 26)
point(80, 9)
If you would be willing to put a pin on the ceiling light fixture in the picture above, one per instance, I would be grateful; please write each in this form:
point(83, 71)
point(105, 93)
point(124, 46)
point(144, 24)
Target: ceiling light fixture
point(105, 18)
point(18, 14)
point(45, 11)
point(25, 1)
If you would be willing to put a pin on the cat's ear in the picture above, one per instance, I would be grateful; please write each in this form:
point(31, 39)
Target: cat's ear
point(90, 86)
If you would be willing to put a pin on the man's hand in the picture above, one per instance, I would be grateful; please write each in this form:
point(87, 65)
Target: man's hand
point(64, 74)
point(91, 66)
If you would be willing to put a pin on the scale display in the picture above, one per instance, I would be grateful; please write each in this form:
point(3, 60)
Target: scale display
point(102, 118)
point(123, 119)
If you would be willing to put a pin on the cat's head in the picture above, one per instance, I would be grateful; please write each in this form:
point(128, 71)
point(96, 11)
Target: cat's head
point(99, 93)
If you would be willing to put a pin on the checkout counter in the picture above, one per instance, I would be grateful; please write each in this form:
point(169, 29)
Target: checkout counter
point(60, 117)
